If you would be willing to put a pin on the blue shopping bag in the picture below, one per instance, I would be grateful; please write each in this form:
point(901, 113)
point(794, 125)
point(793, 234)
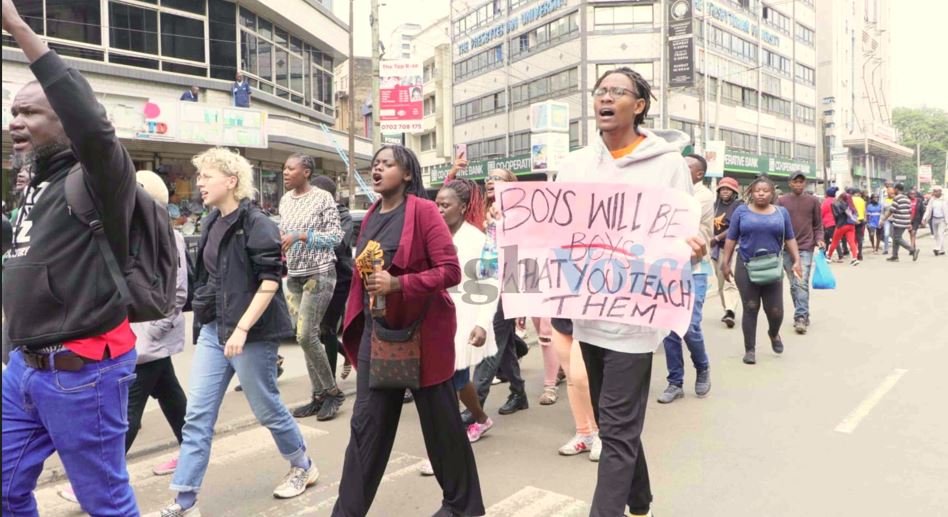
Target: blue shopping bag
point(822, 275)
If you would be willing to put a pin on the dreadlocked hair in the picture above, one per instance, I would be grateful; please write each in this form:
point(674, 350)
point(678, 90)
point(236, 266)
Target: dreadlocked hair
point(406, 160)
point(469, 193)
point(642, 89)
point(763, 178)
point(307, 162)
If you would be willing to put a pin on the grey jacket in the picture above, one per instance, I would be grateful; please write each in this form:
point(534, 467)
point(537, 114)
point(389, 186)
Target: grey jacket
point(164, 338)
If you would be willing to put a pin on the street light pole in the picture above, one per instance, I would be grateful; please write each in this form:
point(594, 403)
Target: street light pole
point(376, 58)
point(352, 159)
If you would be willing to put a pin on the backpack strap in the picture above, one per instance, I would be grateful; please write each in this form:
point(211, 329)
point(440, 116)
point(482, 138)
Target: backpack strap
point(80, 205)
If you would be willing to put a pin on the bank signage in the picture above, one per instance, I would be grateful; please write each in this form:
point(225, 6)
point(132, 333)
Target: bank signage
point(735, 161)
point(478, 169)
point(502, 29)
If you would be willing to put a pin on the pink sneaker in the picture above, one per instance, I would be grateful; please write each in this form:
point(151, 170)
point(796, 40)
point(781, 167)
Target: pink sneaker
point(166, 468)
point(475, 431)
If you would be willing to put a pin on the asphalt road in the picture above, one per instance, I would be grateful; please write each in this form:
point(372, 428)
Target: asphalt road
point(849, 421)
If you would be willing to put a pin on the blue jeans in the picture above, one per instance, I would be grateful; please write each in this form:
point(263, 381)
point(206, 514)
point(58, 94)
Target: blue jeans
point(211, 373)
point(693, 338)
point(81, 415)
point(799, 289)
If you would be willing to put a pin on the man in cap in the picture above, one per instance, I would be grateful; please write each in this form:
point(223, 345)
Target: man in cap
point(728, 201)
point(807, 219)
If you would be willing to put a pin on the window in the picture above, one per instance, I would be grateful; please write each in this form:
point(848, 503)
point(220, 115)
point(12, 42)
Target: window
point(739, 141)
point(429, 72)
point(805, 35)
point(133, 28)
point(574, 134)
point(182, 38)
point(480, 107)
point(185, 5)
point(544, 36)
point(478, 17)
point(490, 148)
point(774, 147)
point(74, 20)
point(646, 70)
point(520, 143)
point(479, 63)
point(547, 87)
point(776, 62)
point(623, 17)
point(805, 74)
point(223, 39)
point(775, 105)
point(727, 42)
point(805, 152)
point(734, 93)
point(689, 128)
point(430, 105)
point(777, 20)
point(429, 141)
point(805, 114)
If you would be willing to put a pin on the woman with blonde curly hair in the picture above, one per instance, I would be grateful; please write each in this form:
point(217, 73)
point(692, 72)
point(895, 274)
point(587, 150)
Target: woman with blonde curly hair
point(239, 303)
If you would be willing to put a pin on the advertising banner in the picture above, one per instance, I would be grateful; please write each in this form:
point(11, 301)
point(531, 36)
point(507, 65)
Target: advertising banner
point(680, 13)
point(681, 63)
point(715, 153)
point(924, 174)
point(401, 96)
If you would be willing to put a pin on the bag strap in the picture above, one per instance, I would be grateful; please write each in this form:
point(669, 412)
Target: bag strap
point(417, 323)
point(80, 205)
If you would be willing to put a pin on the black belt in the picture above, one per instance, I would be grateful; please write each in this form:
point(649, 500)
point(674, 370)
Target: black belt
point(65, 361)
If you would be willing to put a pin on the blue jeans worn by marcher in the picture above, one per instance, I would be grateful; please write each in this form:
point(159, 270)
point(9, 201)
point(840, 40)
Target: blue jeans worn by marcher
point(83, 416)
point(693, 339)
point(211, 372)
point(799, 289)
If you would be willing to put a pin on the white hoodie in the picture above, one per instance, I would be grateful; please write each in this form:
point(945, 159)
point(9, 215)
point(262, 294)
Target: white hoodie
point(655, 162)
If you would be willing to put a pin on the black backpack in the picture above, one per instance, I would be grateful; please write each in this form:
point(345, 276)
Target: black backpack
point(192, 279)
point(149, 281)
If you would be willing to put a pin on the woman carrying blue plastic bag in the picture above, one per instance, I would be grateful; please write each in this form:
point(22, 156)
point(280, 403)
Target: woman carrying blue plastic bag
point(822, 274)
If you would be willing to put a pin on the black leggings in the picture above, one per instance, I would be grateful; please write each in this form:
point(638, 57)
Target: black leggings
point(752, 296)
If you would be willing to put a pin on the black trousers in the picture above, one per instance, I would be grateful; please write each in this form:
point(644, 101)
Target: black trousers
point(506, 355)
point(155, 379)
point(618, 386)
point(754, 296)
point(860, 237)
point(329, 327)
point(373, 426)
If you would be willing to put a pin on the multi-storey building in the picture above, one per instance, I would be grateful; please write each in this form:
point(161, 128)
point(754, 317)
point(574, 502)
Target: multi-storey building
point(859, 142)
point(362, 97)
point(760, 59)
point(400, 46)
point(141, 56)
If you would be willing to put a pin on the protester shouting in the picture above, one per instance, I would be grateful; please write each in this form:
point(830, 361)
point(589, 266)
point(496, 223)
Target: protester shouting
point(619, 357)
point(760, 226)
point(66, 387)
point(238, 301)
point(418, 265)
point(807, 220)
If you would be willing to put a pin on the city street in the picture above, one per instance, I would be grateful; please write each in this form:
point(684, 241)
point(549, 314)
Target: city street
point(848, 422)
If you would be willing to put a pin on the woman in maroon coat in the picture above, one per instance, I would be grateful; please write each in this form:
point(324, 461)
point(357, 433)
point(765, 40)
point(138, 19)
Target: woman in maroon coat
point(420, 264)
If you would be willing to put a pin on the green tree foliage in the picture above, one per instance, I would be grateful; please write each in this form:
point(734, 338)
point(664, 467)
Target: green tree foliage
point(929, 128)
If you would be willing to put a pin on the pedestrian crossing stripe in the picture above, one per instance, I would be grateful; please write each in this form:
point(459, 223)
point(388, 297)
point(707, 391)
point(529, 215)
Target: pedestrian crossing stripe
point(536, 502)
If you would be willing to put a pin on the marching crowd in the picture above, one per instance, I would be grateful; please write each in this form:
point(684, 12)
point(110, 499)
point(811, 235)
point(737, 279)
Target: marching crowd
point(80, 293)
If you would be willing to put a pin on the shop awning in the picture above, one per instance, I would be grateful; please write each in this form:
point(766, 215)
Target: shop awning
point(879, 146)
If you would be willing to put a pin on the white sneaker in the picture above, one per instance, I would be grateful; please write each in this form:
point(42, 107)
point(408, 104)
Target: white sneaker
point(596, 449)
point(427, 469)
point(175, 510)
point(296, 482)
point(578, 444)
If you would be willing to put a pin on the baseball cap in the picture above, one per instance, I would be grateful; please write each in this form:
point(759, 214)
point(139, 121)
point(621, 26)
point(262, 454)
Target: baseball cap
point(798, 175)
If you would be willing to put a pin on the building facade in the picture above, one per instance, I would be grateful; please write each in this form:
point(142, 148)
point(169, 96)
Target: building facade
point(140, 58)
point(400, 42)
point(509, 54)
point(859, 142)
point(362, 100)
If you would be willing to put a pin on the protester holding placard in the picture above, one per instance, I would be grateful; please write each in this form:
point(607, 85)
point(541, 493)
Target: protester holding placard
point(761, 231)
point(618, 357)
point(417, 265)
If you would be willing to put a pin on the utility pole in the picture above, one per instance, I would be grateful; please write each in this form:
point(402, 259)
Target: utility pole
point(376, 58)
point(352, 158)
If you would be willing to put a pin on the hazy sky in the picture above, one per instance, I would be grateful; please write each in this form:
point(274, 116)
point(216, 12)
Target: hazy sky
point(919, 70)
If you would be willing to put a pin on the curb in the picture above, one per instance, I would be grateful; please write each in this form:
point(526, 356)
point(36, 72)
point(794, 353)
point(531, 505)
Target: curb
point(56, 474)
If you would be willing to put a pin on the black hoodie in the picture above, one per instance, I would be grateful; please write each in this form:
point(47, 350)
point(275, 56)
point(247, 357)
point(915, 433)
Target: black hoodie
point(56, 286)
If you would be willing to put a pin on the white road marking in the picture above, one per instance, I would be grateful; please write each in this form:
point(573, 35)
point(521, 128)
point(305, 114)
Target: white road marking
point(536, 502)
point(852, 421)
point(229, 449)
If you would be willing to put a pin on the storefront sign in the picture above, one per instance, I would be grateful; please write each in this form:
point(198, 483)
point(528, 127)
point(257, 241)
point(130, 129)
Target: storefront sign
point(400, 96)
point(502, 29)
point(738, 22)
point(924, 174)
point(735, 161)
point(681, 62)
point(679, 18)
point(715, 154)
point(478, 169)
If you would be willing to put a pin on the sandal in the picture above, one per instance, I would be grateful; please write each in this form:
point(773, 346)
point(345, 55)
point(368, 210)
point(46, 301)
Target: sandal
point(346, 370)
point(549, 396)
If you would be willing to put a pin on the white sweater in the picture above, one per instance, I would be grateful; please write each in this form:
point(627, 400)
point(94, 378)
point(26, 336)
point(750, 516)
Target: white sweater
point(475, 300)
point(656, 163)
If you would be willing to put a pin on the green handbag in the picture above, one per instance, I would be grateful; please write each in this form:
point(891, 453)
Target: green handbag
point(767, 268)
